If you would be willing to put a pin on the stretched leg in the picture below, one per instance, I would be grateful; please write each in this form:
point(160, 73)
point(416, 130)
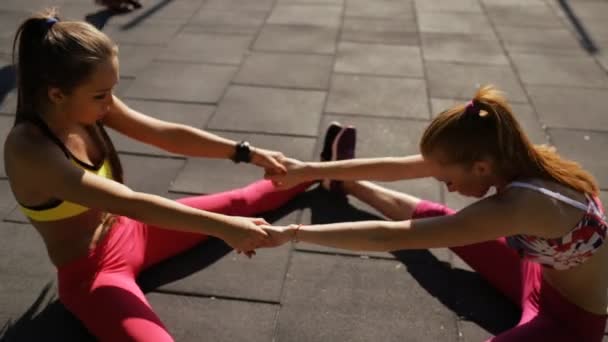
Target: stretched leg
point(254, 199)
point(493, 260)
point(114, 309)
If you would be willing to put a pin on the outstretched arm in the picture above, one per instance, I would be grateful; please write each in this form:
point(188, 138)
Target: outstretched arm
point(182, 139)
point(485, 220)
point(378, 169)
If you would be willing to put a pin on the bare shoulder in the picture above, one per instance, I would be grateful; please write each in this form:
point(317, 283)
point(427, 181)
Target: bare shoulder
point(540, 214)
point(23, 142)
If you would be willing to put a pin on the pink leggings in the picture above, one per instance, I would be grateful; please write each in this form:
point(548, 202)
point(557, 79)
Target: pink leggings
point(546, 314)
point(100, 288)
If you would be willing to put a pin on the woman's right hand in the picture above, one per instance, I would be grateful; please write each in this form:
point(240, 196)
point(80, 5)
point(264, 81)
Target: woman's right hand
point(245, 234)
point(296, 174)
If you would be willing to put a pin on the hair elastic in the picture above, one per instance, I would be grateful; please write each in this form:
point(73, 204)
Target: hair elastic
point(51, 21)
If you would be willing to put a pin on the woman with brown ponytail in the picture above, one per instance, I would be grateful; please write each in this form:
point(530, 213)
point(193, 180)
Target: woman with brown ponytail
point(67, 178)
point(539, 239)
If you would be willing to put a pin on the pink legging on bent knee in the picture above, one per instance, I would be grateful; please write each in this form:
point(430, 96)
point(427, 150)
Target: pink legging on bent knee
point(100, 288)
point(546, 314)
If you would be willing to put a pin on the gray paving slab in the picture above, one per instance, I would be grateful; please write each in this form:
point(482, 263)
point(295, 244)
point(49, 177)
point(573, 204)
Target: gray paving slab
point(225, 21)
point(297, 38)
point(182, 82)
point(313, 2)
point(123, 85)
point(575, 108)
point(207, 48)
point(189, 114)
point(524, 113)
point(269, 110)
point(134, 58)
point(157, 32)
point(27, 256)
point(455, 22)
point(584, 147)
point(8, 105)
point(604, 199)
point(549, 41)
point(394, 9)
point(210, 176)
point(315, 15)
point(149, 174)
point(470, 331)
point(536, 14)
point(6, 123)
point(331, 298)
point(559, 70)
point(197, 319)
point(471, 6)
point(455, 80)
point(159, 10)
point(378, 96)
point(33, 5)
point(31, 312)
point(245, 5)
point(381, 31)
point(461, 48)
point(378, 59)
point(235, 276)
point(7, 200)
point(300, 71)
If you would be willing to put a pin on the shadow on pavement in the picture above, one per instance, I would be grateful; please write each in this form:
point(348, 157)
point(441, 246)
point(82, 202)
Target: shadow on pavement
point(465, 293)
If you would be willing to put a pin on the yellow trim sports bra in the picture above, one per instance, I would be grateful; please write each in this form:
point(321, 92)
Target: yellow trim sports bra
point(58, 209)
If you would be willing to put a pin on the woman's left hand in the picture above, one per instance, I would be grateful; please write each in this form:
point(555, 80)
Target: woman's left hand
point(271, 161)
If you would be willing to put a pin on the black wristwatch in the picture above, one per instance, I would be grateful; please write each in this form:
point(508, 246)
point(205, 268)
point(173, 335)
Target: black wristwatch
point(242, 152)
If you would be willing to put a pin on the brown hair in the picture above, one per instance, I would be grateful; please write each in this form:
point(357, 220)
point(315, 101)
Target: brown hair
point(63, 54)
point(486, 128)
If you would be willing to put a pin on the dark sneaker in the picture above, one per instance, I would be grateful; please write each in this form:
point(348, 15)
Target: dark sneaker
point(342, 148)
point(330, 135)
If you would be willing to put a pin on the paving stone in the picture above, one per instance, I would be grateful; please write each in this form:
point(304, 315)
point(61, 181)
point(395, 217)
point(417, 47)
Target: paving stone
point(7, 199)
point(451, 80)
point(158, 32)
point(328, 16)
point(575, 108)
point(313, 2)
point(31, 312)
point(197, 319)
point(512, 14)
point(159, 10)
point(448, 5)
point(23, 253)
point(297, 38)
point(348, 305)
point(211, 176)
point(560, 70)
point(123, 85)
point(559, 41)
point(381, 31)
point(269, 110)
point(8, 104)
point(182, 82)
point(148, 174)
point(604, 199)
point(472, 332)
point(524, 114)
point(584, 147)
point(6, 124)
point(244, 5)
point(378, 96)
point(404, 10)
point(207, 48)
point(226, 21)
point(377, 59)
point(235, 276)
point(286, 70)
point(461, 48)
point(455, 22)
point(134, 58)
